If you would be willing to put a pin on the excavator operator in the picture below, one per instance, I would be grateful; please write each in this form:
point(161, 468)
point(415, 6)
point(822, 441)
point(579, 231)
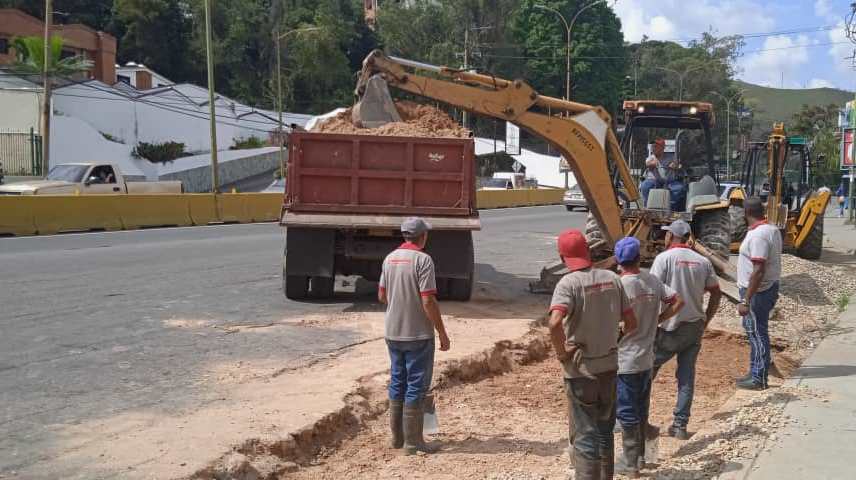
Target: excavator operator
point(658, 175)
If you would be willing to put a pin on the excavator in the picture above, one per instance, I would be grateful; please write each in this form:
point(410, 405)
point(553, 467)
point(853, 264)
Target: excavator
point(779, 171)
point(581, 133)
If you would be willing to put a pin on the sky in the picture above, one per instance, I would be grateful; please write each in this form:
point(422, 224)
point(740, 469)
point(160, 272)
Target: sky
point(789, 43)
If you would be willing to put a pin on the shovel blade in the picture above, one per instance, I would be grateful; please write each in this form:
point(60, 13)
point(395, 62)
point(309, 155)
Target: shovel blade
point(376, 107)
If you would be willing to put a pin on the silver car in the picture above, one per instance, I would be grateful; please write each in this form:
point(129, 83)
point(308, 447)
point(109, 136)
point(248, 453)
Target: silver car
point(574, 198)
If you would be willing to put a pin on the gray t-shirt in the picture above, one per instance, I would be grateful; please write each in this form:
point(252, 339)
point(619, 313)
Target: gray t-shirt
point(593, 301)
point(407, 276)
point(689, 274)
point(763, 243)
point(647, 294)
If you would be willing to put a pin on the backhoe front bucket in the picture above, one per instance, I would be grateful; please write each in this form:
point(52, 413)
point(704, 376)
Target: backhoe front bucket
point(375, 107)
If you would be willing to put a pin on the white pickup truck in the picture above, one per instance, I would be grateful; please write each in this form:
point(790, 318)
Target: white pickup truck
point(88, 179)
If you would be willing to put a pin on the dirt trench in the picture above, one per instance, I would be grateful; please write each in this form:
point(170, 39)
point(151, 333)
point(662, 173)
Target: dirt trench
point(513, 425)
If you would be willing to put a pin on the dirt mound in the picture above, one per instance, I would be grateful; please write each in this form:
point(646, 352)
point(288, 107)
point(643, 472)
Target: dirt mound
point(417, 121)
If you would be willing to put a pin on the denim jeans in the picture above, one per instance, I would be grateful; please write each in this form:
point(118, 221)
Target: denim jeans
point(634, 398)
point(592, 408)
point(410, 371)
point(677, 195)
point(685, 343)
point(756, 325)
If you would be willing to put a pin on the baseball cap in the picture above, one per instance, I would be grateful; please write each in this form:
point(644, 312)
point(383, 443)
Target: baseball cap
point(679, 228)
point(627, 250)
point(415, 226)
point(574, 250)
point(659, 141)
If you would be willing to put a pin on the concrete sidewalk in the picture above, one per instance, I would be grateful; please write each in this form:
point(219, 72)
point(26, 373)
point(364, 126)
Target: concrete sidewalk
point(821, 441)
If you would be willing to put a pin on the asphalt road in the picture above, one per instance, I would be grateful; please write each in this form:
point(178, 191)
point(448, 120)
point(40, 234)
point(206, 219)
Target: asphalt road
point(90, 324)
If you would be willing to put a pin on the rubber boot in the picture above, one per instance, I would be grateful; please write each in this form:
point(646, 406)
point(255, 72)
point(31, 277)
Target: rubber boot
point(412, 426)
point(396, 426)
point(628, 462)
point(585, 468)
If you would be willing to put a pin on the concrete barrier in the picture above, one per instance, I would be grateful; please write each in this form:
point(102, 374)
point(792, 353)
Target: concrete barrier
point(49, 214)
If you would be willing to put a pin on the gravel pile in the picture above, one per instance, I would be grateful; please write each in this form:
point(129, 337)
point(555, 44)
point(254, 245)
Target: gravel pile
point(735, 438)
point(417, 121)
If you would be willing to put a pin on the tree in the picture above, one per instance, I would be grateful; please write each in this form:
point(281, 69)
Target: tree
point(819, 124)
point(30, 60)
point(92, 13)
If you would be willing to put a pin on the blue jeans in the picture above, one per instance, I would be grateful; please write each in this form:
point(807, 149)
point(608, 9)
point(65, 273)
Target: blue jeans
point(757, 325)
point(685, 343)
point(410, 371)
point(591, 403)
point(677, 195)
point(634, 398)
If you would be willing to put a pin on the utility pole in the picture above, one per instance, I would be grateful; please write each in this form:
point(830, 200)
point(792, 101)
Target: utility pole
point(728, 101)
point(47, 111)
point(465, 115)
point(215, 175)
point(681, 76)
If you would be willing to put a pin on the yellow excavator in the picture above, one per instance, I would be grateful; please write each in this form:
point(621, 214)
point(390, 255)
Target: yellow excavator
point(779, 171)
point(584, 136)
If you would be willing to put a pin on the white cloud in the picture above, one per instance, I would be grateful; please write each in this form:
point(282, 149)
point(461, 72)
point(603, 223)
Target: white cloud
point(840, 49)
point(823, 9)
point(781, 57)
point(676, 20)
point(820, 83)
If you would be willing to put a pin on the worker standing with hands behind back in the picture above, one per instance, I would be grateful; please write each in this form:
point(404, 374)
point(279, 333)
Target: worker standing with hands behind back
point(408, 288)
point(587, 308)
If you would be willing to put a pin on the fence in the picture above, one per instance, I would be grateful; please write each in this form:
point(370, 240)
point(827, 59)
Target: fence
point(21, 153)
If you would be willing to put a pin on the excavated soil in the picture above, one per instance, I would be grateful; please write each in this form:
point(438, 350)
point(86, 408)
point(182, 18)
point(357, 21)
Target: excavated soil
point(514, 425)
point(417, 121)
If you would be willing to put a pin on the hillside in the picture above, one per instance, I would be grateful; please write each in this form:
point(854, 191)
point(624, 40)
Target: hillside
point(779, 105)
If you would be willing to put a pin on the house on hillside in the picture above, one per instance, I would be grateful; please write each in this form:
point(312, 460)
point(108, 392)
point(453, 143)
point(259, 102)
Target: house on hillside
point(140, 76)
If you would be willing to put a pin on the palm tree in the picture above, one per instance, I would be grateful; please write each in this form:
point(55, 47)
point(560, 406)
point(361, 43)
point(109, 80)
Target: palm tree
point(30, 60)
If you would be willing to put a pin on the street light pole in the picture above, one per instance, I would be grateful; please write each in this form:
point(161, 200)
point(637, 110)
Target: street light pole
point(728, 101)
point(281, 137)
point(215, 175)
point(47, 111)
point(681, 76)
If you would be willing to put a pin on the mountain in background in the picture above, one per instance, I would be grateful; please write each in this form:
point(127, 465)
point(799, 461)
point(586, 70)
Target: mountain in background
point(779, 105)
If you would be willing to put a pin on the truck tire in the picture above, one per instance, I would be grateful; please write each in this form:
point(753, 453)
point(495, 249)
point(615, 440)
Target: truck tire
point(738, 223)
point(812, 248)
point(713, 229)
point(461, 289)
point(296, 287)
point(569, 208)
point(322, 287)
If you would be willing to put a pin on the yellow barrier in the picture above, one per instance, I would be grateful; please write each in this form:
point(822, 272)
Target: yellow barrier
point(49, 214)
point(486, 199)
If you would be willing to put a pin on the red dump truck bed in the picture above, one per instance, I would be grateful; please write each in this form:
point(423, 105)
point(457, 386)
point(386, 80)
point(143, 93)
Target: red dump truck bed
point(380, 175)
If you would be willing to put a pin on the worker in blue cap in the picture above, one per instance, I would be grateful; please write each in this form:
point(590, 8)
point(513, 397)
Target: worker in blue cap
point(653, 302)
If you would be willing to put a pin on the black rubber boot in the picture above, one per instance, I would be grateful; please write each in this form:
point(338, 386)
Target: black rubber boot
point(586, 468)
point(396, 423)
point(628, 462)
point(412, 427)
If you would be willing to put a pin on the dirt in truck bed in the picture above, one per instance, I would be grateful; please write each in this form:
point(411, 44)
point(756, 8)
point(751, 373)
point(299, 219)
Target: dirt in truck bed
point(418, 121)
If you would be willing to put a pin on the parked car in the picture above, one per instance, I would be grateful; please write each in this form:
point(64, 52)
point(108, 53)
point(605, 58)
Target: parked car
point(574, 198)
point(88, 179)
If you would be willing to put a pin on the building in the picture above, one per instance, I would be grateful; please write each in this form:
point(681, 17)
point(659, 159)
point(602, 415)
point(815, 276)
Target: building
point(140, 76)
point(99, 47)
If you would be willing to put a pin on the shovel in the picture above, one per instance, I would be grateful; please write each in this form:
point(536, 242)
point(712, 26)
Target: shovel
point(430, 425)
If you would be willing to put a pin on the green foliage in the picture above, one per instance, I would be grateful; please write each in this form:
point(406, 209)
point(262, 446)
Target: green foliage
point(779, 105)
point(111, 138)
point(842, 302)
point(819, 124)
point(30, 57)
point(159, 152)
point(490, 163)
point(249, 142)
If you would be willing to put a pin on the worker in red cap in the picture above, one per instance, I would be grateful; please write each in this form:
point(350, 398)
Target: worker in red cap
point(655, 171)
point(587, 309)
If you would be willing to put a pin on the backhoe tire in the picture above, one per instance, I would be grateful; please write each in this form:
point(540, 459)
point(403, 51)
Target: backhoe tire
point(812, 248)
point(713, 229)
point(593, 233)
point(738, 223)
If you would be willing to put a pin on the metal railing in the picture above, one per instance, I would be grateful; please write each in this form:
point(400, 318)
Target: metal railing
point(21, 153)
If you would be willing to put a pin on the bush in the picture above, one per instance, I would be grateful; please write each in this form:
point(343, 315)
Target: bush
point(251, 142)
point(159, 152)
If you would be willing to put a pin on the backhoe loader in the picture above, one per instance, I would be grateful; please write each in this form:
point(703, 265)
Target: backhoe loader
point(582, 133)
point(779, 171)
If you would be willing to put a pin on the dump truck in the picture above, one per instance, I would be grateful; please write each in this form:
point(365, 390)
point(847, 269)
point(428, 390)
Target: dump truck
point(348, 194)
point(581, 133)
point(88, 179)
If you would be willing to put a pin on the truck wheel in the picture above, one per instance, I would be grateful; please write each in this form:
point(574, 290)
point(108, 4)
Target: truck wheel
point(460, 289)
point(323, 287)
point(812, 247)
point(296, 287)
point(569, 208)
point(713, 229)
point(738, 223)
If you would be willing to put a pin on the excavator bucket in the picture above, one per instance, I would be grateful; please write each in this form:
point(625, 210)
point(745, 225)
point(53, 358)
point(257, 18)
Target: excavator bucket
point(375, 107)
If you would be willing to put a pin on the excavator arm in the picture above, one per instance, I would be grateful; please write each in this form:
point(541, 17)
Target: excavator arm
point(582, 133)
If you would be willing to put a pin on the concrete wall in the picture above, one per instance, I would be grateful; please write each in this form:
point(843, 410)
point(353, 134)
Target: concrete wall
point(19, 110)
point(231, 170)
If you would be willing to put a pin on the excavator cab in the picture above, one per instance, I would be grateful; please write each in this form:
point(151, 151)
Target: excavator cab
point(779, 171)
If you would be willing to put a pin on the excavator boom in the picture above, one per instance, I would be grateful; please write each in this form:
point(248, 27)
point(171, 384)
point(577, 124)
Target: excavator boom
point(582, 133)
